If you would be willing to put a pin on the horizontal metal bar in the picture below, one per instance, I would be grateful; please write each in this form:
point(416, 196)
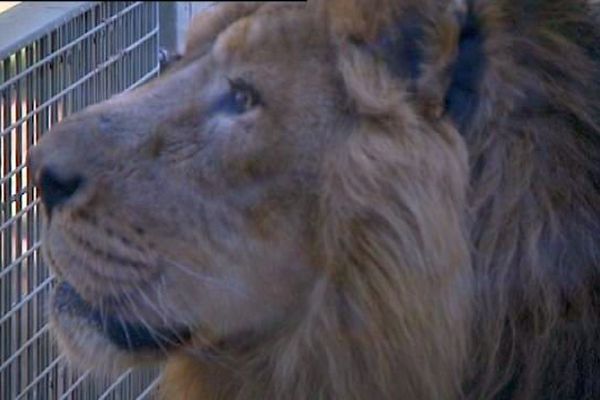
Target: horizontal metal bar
point(74, 386)
point(66, 47)
point(144, 79)
point(25, 299)
point(114, 385)
point(25, 345)
point(149, 389)
point(13, 265)
point(19, 215)
point(45, 372)
point(87, 76)
point(15, 197)
point(12, 173)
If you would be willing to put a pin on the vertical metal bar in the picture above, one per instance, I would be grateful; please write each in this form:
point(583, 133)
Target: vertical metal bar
point(113, 43)
point(122, 35)
point(90, 84)
point(129, 39)
point(82, 60)
point(94, 39)
point(4, 352)
point(53, 79)
point(16, 281)
point(42, 125)
point(32, 306)
point(28, 262)
point(67, 67)
point(74, 60)
point(6, 236)
point(100, 48)
point(4, 304)
point(137, 25)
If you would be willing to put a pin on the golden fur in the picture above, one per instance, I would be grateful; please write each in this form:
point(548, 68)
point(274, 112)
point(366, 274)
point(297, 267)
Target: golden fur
point(409, 210)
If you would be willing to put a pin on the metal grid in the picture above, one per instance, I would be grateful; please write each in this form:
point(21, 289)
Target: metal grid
point(102, 49)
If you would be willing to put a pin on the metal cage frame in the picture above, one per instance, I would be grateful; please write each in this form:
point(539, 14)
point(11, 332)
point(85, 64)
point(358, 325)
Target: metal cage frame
point(57, 59)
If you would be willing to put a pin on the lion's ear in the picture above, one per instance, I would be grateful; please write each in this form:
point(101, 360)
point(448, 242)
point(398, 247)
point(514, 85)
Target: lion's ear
point(207, 25)
point(436, 51)
point(453, 71)
point(462, 94)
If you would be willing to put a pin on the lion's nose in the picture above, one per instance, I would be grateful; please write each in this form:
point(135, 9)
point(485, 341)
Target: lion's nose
point(55, 189)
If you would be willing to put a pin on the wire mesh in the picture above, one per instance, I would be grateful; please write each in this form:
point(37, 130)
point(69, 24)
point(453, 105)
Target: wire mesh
point(108, 48)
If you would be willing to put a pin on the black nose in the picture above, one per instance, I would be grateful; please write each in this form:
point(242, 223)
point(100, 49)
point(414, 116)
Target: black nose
point(56, 190)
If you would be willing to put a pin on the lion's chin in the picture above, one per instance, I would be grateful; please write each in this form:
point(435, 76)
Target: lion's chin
point(105, 342)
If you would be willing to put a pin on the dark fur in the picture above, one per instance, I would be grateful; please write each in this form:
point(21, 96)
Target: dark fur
point(522, 85)
point(534, 144)
point(535, 181)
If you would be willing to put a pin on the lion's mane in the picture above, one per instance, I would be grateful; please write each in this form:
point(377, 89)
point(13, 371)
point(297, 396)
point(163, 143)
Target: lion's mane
point(520, 81)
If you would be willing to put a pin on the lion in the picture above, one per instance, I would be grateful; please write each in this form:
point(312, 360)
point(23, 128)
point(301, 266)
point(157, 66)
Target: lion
point(341, 199)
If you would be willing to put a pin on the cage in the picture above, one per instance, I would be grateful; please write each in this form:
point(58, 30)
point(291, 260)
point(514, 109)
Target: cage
point(55, 59)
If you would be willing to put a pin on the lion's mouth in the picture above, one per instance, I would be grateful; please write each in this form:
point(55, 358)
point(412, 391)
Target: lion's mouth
point(125, 335)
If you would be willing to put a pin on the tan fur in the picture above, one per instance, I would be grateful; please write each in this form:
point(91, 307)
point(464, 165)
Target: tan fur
point(346, 238)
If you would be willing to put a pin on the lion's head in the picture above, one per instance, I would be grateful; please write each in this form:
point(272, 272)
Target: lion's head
point(283, 213)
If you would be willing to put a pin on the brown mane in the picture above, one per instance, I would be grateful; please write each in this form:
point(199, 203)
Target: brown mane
point(534, 151)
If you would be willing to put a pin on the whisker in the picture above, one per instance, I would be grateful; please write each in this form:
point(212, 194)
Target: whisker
point(166, 326)
point(160, 289)
point(157, 336)
point(205, 278)
point(126, 331)
point(162, 313)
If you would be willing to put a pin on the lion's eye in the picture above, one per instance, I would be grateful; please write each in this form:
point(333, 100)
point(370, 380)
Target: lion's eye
point(243, 100)
point(242, 97)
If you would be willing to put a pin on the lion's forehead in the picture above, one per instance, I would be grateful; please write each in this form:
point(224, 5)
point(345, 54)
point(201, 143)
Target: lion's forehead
point(278, 28)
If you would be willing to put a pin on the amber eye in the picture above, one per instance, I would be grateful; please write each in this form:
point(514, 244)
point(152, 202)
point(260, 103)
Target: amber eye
point(242, 97)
